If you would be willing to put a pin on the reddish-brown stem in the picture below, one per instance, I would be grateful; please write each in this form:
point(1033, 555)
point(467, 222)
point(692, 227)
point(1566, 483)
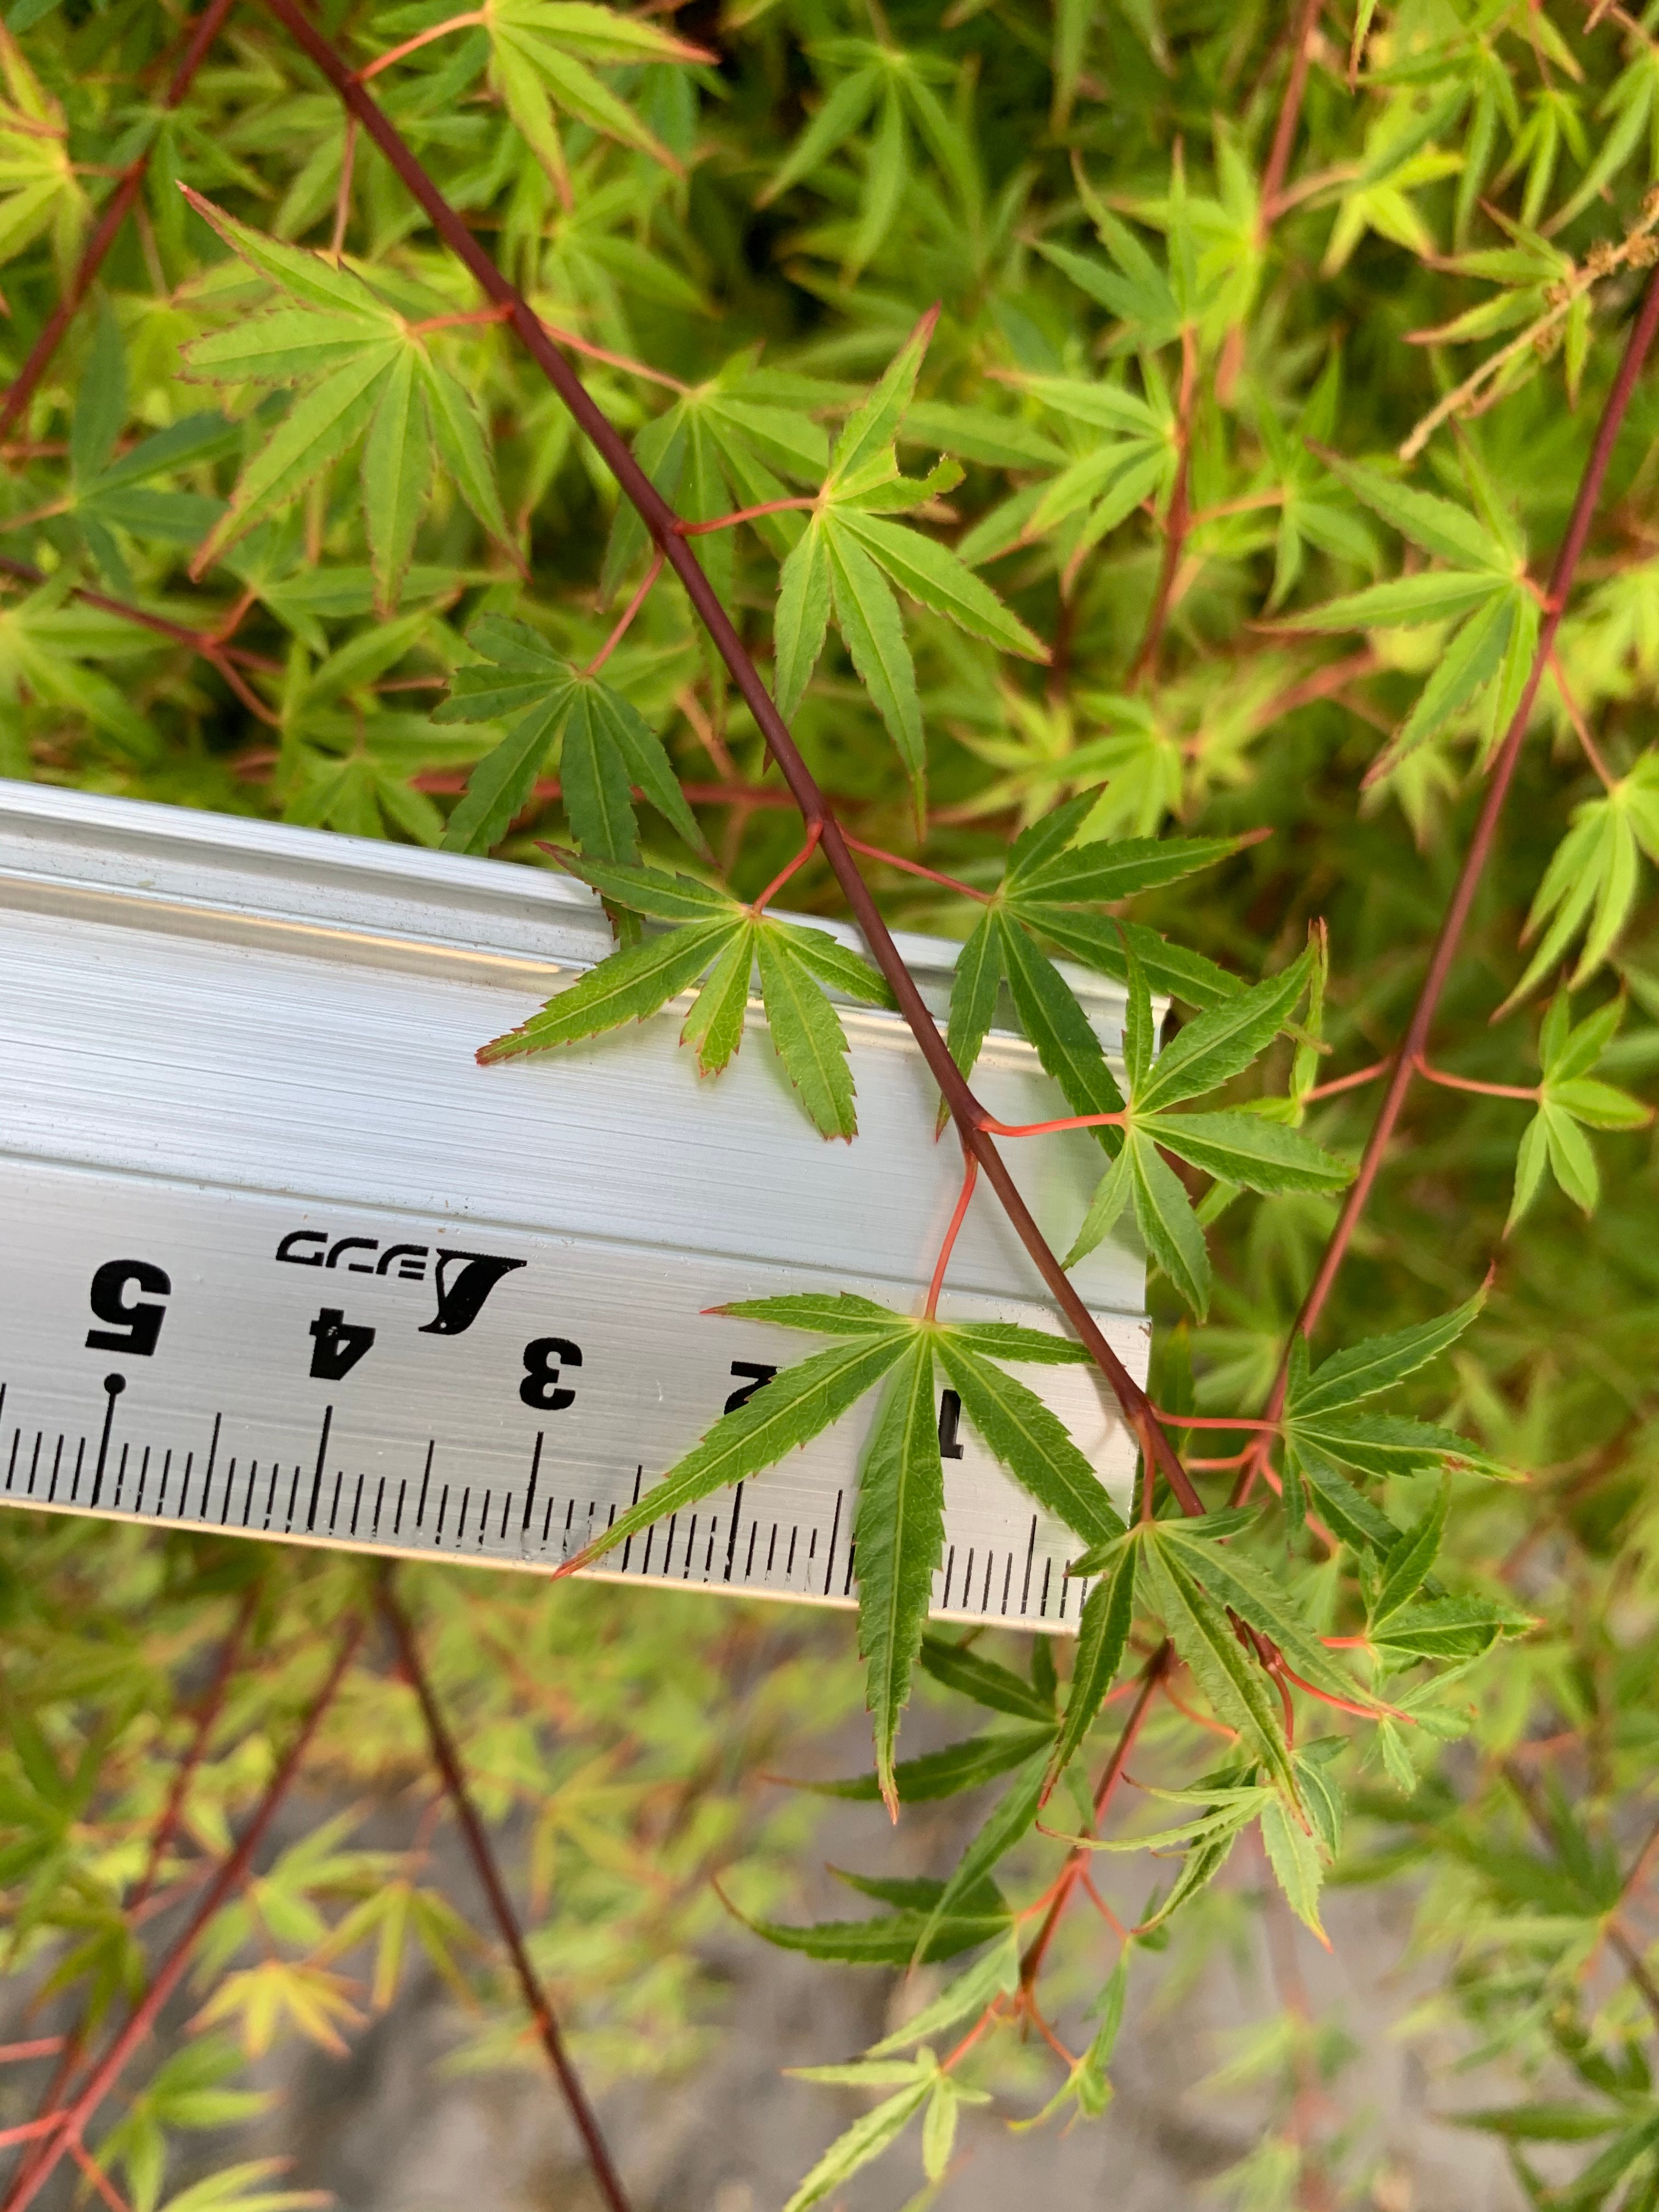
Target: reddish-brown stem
point(1290, 114)
point(915, 868)
point(1212, 1421)
point(228, 1878)
point(745, 515)
point(96, 2175)
point(628, 614)
point(1177, 521)
point(969, 1177)
point(1361, 1075)
point(211, 646)
point(167, 1827)
point(810, 845)
point(1050, 1128)
point(1580, 725)
point(42, 2046)
point(420, 39)
point(1414, 1043)
point(105, 231)
point(501, 1906)
point(660, 521)
point(1468, 1083)
point(1078, 1860)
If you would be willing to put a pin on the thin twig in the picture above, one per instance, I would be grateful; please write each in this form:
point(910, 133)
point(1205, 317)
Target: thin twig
point(1414, 1043)
point(501, 1906)
point(171, 1971)
point(1178, 518)
point(662, 523)
point(105, 232)
point(1290, 114)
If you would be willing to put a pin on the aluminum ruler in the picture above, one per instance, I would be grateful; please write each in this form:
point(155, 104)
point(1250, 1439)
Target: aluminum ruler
point(277, 1257)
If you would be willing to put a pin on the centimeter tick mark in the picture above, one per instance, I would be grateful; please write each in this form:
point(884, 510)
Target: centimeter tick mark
point(114, 1386)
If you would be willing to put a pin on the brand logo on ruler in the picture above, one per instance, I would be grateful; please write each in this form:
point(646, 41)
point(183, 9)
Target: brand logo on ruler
point(462, 1280)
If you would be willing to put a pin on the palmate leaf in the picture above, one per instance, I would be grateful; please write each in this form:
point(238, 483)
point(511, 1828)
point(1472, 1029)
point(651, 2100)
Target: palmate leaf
point(890, 1938)
point(1230, 1676)
point(710, 931)
point(1570, 1099)
point(1363, 1369)
point(899, 1540)
point(1101, 1639)
point(545, 54)
point(947, 1774)
point(606, 748)
point(365, 375)
point(1029, 1440)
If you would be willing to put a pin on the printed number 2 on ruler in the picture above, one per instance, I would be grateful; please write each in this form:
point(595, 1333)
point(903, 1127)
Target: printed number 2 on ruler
point(493, 1370)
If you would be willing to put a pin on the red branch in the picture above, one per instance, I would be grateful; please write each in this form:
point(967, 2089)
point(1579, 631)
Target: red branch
point(1290, 113)
point(116, 209)
point(483, 1862)
point(167, 1975)
point(1413, 1045)
point(664, 526)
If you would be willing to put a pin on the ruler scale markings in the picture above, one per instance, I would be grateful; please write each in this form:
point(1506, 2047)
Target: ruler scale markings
point(143, 1476)
point(1042, 1603)
point(270, 1493)
point(162, 1493)
point(247, 1503)
point(34, 1459)
point(852, 1555)
point(950, 1569)
point(789, 1564)
point(120, 1472)
point(334, 1509)
point(57, 1461)
point(1030, 1555)
point(1007, 1583)
point(380, 1500)
point(460, 1526)
point(732, 1540)
point(443, 1508)
point(356, 1504)
point(11, 1464)
point(639, 1477)
point(529, 1494)
point(230, 1482)
point(420, 1510)
point(114, 1386)
point(207, 1472)
point(749, 1563)
point(690, 1545)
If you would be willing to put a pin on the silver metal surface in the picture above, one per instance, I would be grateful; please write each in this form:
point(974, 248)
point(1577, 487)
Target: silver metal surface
point(220, 1041)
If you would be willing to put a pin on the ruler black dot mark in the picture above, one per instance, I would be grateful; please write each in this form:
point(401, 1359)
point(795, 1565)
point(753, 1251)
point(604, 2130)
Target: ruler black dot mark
point(1030, 1555)
point(732, 1539)
point(426, 1477)
point(443, 1508)
point(460, 1526)
point(771, 1549)
point(56, 1461)
point(230, 1484)
point(356, 1505)
point(114, 1386)
point(835, 1531)
point(950, 1569)
point(143, 1477)
point(794, 1539)
point(749, 1563)
point(1042, 1603)
point(691, 1539)
point(639, 1477)
point(529, 1494)
point(252, 1477)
